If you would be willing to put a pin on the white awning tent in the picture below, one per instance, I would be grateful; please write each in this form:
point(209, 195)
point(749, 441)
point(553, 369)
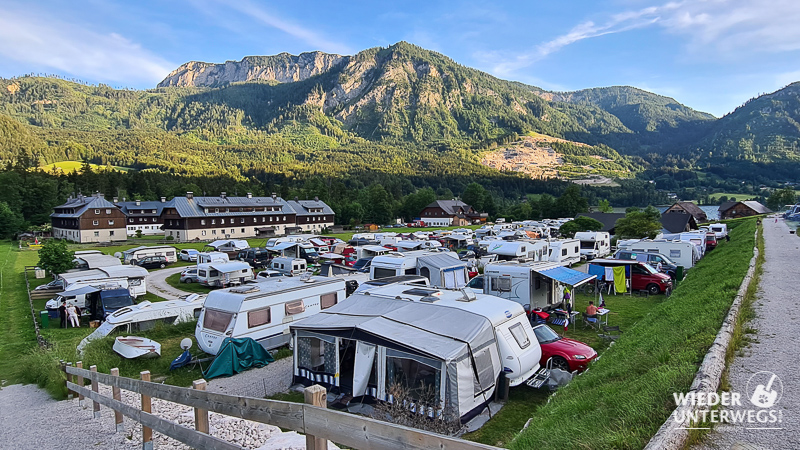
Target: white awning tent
point(94, 261)
point(229, 267)
point(452, 351)
point(443, 270)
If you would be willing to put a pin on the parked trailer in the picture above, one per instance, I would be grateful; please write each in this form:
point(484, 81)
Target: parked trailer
point(134, 255)
point(594, 244)
point(532, 285)
point(441, 268)
point(682, 252)
point(519, 250)
point(134, 276)
point(565, 251)
point(224, 274)
point(263, 310)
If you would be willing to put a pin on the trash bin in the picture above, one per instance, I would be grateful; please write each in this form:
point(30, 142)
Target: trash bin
point(44, 319)
point(53, 313)
point(679, 273)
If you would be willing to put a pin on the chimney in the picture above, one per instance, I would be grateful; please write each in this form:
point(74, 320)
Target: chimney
point(274, 196)
point(249, 195)
point(316, 199)
point(297, 199)
point(138, 203)
point(116, 200)
point(223, 194)
point(100, 195)
point(189, 195)
point(163, 199)
point(123, 199)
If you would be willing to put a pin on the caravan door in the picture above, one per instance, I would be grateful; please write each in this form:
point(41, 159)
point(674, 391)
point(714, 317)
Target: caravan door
point(362, 367)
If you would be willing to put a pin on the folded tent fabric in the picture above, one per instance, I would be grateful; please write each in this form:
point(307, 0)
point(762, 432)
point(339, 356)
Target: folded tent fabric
point(237, 355)
point(619, 279)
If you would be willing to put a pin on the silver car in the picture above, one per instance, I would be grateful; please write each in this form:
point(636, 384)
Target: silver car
point(189, 275)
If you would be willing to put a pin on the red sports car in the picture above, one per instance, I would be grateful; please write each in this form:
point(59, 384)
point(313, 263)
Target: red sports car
point(566, 354)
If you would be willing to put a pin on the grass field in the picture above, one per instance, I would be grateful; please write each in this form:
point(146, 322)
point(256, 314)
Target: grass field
point(71, 166)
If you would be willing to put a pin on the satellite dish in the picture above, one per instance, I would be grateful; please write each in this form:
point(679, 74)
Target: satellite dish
point(186, 343)
point(118, 255)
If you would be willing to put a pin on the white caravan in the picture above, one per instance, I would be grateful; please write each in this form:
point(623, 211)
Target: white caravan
point(145, 315)
point(683, 253)
point(209, 257)
point(417, 245)
point(565, 251)
point(229, 245)
point(519, 250)
point(371, 251)
point(134, 277)
point(288, 266)
point(594, 244)
point(441, 268)
point(263, 310)
point(88, 261)
point(532, 285)
point(136, 254)
point(221, 274)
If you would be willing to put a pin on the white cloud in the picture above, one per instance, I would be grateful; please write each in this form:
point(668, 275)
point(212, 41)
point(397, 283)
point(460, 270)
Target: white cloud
point(265, 17)
point(34, 38)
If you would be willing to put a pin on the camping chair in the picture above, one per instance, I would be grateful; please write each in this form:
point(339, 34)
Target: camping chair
point(558, 318)
point(591, 321)
point(610, 337)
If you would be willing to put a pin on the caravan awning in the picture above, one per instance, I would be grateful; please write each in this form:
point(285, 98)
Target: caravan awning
point(229, 267)
point(283, 246)
point(79, 291)
point(566, 276)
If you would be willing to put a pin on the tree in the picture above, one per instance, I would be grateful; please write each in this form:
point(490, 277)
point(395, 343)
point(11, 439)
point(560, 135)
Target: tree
point(10, 221)
point(474, 195)
point(781, 197)
point(605, 206)
point(55, 256)
point(639, 224)
point(581, 223)
point(571, 202)
point(380, 205)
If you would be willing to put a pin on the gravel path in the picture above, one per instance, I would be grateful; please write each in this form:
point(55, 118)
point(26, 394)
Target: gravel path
point(271, 379)
point(775, 350)
point(157, 283)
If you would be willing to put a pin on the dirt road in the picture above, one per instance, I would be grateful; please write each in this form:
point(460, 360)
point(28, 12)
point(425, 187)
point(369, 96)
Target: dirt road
point(157, 284)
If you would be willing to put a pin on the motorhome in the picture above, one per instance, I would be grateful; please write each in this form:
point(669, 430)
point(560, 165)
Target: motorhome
point(519, 250)
point(594, 244)
point(683, 253)
point(264, 310)
point(532, 285)
point(443, 269)
point(565, 251)
point(720, 230)
point(297, 250)
point(136, 254)
point(222, 274)
point(209, 257)
point(134, 277)
point(455, 342)
point(145, 315)
point(289, 266)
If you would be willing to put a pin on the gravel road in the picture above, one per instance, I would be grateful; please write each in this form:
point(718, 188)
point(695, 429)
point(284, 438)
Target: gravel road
point(777, 323)
point(157, 283)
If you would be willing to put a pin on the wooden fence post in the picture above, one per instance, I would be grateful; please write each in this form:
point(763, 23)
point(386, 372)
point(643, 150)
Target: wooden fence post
point(95, 405)
point(79, 382)
point(70, 394)
point(147, 433)
point(118, 397)
point(200, 415)
point(316, 395)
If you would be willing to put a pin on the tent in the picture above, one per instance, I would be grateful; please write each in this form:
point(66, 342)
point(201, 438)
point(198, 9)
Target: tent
point(237, 355)
point(368, 344)
point(443, 270)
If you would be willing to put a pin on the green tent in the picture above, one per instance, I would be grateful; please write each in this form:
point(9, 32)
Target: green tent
point(237, 355)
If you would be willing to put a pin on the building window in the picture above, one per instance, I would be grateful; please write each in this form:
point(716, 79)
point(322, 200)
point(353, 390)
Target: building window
point(213, 221)
point(242, 220)
point(96, 234)
point(108, 211)
point(130, 220)
point(216, 210)
point(255, 219)
point(242, 230)
point(213, 231)
point(263, 219)
point(202, 221)
point(203, 233)
point(154, 219)
point(97, 211)
point(233, 231)
point(154, 211)
point(111, 233)
point(111, 222)
point(96, 222)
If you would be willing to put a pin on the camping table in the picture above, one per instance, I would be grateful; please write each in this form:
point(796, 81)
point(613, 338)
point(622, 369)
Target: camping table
point(602, 312)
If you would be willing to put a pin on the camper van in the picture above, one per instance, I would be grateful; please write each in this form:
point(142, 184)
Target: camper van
point(443, 269)
point(565, 251)
point(145, 315)
point(136, 254)
point(594, 244)
point(521, 251)
point(263, 311)
point(289, 266)
point(221, 274)
point(80, 294)
point(134, 277)
point(683, 253)
point(455, 342)
point(532, 285)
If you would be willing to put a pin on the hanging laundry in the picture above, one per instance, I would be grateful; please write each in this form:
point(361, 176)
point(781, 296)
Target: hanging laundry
point(619, 279)
point(609, 274)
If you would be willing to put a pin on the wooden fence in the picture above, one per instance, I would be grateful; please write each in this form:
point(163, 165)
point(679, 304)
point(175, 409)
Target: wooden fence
point(310, 418)
point(36, 327)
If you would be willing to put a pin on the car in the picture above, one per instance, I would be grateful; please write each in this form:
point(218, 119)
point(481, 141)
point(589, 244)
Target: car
point(563, 353)
point(153, 262)
point(189, 275)
point(256, 257)
point(643, 276)
point(55, 285)
point(711, 241)
point(350, 260)
point(188, 254)
point(362, 264)
point(668, 266)
point(267, 274)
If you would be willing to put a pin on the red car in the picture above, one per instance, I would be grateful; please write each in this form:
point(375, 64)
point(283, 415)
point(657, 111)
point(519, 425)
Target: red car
point(711, 241)
point(567, 354)
point(643, 277)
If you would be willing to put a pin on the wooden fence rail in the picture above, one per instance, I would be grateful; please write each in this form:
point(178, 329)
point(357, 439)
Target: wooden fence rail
point(320, 423)
point(42, 341)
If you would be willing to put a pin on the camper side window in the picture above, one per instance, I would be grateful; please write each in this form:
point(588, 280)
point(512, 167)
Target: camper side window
point(258, 317)
point(502, 284)
point(201, 273)
point(563, 252)
point(519, 335)
point(295, 307)
point(327, 300)
point(216, 320)
point(674, 253)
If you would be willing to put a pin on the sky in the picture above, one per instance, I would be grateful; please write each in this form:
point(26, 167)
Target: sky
point(711, 55)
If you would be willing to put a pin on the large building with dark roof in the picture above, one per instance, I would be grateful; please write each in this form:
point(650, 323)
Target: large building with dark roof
point(143, 216)
point(734, 210)
point(88, 219)
point(443, 213)
point(688, 208)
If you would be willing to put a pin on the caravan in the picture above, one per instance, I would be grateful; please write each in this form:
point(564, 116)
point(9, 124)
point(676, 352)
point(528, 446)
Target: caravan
point(521, 251)
point(565, 251)
point(133, 278)
point(683, 253)
point(453, 342)
point(594, 244)
point(136, 254)
point(441, 268)
point(222, 274)
point(263, 311)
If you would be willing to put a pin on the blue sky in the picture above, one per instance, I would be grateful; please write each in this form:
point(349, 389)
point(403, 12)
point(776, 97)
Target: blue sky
point(711, 55)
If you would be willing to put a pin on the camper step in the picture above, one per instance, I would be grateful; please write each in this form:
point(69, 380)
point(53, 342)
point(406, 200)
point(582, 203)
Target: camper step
point(538, 379)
